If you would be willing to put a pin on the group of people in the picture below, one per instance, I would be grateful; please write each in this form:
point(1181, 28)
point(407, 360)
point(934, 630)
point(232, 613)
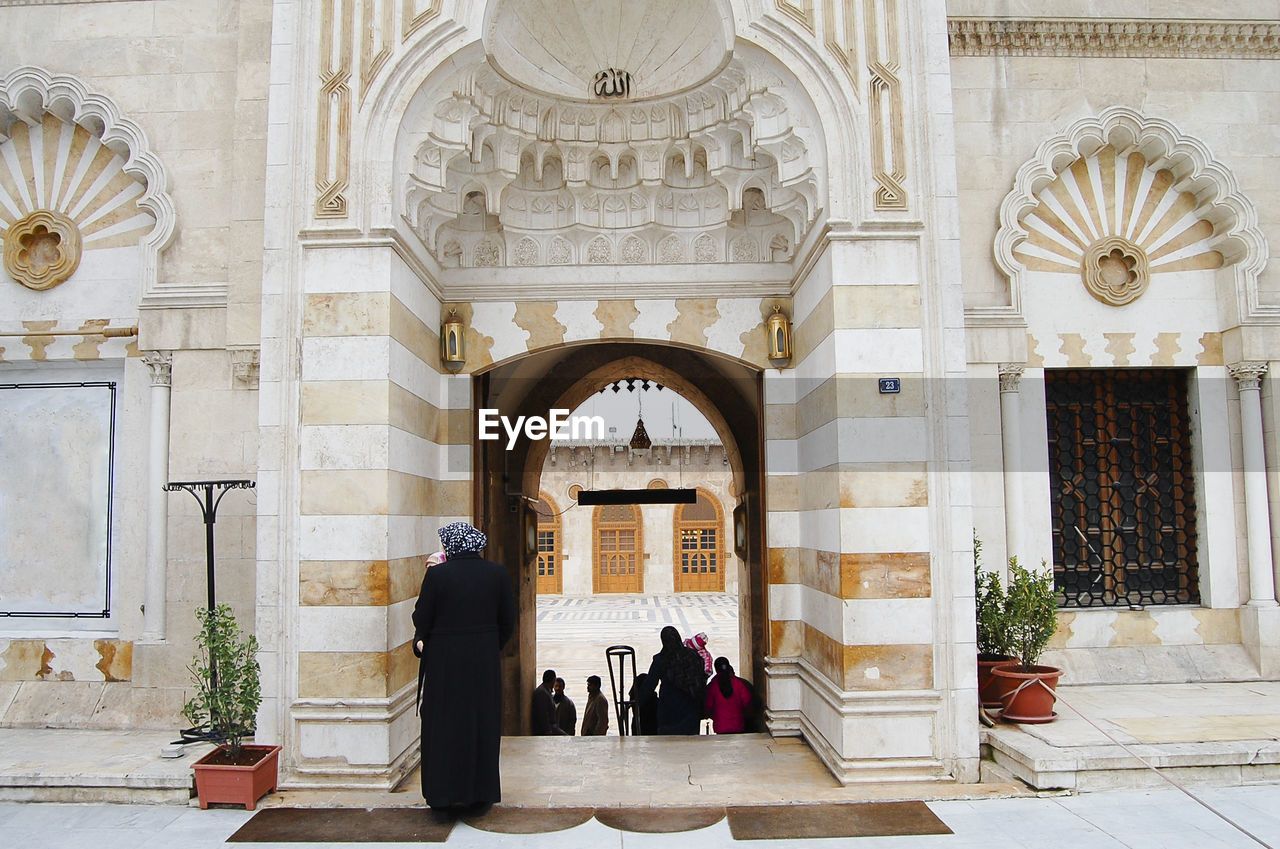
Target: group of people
point(675, 695)
point(554, 713)
point(465, 614)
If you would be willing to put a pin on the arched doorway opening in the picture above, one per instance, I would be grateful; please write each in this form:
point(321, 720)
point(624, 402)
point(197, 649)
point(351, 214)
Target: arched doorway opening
point(507, 476)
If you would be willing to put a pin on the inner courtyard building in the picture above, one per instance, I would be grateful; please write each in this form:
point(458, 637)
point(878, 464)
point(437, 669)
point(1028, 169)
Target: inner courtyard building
point(931, 271)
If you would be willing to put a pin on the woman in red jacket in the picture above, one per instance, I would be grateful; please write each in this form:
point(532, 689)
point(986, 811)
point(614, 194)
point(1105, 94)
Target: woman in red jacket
point(729, 700)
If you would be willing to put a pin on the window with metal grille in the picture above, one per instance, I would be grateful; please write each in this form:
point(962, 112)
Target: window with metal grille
point(1122, 487)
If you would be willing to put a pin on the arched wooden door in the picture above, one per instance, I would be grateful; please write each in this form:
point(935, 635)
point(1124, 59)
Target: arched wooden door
point(699, 545)
point(550, 560)
point(619, 549)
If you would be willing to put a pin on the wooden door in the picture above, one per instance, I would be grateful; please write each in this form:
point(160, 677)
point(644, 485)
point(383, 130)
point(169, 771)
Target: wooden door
point(550, 576)
point(699, 546)
point(619, 550)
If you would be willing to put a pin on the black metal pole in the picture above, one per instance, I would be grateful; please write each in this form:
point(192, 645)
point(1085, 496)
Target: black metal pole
point(209, 512)
point(210, 516)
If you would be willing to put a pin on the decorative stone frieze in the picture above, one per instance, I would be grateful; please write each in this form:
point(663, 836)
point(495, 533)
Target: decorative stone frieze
point(42, 249)
point(1113, 37)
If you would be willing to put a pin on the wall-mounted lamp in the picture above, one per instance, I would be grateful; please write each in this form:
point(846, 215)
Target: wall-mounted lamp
point(779, 328)
point(453, 352)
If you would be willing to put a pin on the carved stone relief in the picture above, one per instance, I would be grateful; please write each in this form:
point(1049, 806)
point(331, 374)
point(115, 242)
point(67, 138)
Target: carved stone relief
point(42, 249)
point(94, 205)
point(244, 366)
point(888, 133)
point(725, 162)
point(333, 127)
point(1115, 271)
point(1115, 220)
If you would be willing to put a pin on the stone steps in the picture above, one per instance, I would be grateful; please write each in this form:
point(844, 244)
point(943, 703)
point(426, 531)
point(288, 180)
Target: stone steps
point(1041, 766)
point(74, 765)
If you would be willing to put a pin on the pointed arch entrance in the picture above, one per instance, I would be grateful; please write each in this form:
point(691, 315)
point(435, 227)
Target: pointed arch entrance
point(507, 482)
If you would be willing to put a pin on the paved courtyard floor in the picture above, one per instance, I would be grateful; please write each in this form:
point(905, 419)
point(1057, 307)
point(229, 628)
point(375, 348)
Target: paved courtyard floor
point(1115, 820)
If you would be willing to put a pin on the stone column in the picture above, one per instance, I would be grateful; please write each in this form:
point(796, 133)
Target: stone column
point(1011, 452)
point(1262, 587)
point(153, 617)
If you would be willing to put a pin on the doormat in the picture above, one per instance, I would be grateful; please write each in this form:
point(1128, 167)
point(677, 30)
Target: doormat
point(659, 820)
point(863, 819)
point(528, 820)
point(342, 825)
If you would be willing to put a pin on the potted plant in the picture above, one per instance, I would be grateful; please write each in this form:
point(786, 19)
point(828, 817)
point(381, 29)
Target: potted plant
point(993, 648)
point(228, 692)
point(1031, 617)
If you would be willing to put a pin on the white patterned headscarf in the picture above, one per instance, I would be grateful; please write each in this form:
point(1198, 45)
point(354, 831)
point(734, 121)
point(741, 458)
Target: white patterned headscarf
point(461, 538)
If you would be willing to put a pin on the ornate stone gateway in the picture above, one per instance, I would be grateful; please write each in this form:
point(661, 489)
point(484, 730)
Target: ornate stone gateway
point(718, 195)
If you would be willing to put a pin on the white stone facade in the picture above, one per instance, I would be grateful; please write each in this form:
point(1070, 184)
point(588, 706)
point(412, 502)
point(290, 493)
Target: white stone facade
point(270, 207)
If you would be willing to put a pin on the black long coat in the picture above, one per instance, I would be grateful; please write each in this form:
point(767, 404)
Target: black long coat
point(465, 614)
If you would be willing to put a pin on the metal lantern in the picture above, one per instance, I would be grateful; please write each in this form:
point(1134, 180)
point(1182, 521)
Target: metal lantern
point(779, 328)
point(453, 353)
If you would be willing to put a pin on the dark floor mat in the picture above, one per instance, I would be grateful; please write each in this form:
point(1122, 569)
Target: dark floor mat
point(529, 820)
point(342, 825)
point(659, 820)
point(866, 819)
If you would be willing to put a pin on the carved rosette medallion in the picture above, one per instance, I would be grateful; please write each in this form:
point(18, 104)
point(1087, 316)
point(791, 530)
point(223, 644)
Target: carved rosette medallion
point(42, 249)
point(1115, 271)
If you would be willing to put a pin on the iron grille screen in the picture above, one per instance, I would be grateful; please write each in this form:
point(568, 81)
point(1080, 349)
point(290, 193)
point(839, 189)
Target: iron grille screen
point(1123, 497)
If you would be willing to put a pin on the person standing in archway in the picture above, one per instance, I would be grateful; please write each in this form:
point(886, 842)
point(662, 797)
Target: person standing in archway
point(677, 674)
point(730, 700)
point(465, 614)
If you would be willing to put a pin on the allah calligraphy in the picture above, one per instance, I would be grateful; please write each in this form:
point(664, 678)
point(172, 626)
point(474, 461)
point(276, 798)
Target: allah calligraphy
point(612, 82)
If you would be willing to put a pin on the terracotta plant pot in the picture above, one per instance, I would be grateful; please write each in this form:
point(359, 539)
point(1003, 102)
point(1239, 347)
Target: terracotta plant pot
point(235, 784)
point(1028, 692)
point(989, 688)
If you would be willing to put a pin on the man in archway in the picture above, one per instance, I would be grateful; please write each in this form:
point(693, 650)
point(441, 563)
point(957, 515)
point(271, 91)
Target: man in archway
point(566, 711)
point(595, 718)
point(543, 715)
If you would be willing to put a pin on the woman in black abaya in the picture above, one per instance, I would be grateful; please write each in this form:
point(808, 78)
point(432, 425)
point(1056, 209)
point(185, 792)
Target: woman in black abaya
point(679, 671)
point(465, 614)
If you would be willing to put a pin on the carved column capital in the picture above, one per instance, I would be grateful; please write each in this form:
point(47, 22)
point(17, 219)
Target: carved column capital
point(244, 366)
point(161, 365)
point(1011, 376)
point(1248, 375)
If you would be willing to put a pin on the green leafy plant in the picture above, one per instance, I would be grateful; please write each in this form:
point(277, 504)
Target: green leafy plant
point(227, 677)
point(989, 598)
point(1031, 612)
